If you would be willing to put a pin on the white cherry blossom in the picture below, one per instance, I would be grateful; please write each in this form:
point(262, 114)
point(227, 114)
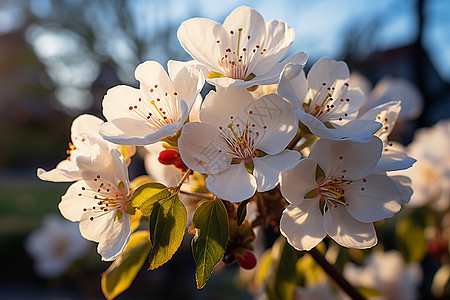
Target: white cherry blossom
point(240, 142)
point(243, 51)
point(55, 245)
point(430, 175)
point(390, 89)
point(85, 141)
point(335, 192)
point(98, 202)
point(156, 110)
point(325, 103)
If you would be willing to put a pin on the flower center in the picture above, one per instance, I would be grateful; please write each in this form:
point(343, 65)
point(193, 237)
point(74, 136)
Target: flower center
point(331, 186)
point(106, 197)
point(332, 191)
point(241, 140)
point(239, 60)
point(159, 110)
point(323, 106)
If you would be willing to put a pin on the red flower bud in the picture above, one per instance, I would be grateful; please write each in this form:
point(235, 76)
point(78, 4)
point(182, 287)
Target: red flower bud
point(247, 260)
point(168, 156)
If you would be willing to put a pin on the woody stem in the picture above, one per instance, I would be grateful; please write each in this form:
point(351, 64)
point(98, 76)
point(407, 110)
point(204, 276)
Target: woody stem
point(335, 275)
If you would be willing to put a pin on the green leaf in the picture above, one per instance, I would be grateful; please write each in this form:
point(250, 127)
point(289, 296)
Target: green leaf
point(124, 269)
point(242, 211)
point(210, 221)
point(167, 225)
point(145, 196)
point(281, 283)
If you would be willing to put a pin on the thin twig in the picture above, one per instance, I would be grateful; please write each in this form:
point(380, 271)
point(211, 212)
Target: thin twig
point(197, 195)
point(335, 275)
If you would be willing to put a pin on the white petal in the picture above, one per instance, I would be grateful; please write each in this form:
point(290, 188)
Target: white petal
point(347, 231)
point(220, 106)
point(85, 125)
point(293, 84)
point(64, 171)
point(327, 71)
point(404, 186)
point(234, 184)
point(126, 131)
point(151, 73)
point(267, 169)
point(118, 169)
point(297, 182)
point(355, 130)
point(199, 36)
point(72, 205)
point(99, 228)
point(279, 119)
point(174, 67)
point(201, 147)
point(393, 160)
point(272, 76)
point(353, 160)
point(372, 199)
point(113, 245)
point(347, 110)
point(194, 114)
point(251, 24)
point(303, 225)
point(227, 82)
point(278, 41)
point(188, 82)
point(117, 101)
point(386, 114)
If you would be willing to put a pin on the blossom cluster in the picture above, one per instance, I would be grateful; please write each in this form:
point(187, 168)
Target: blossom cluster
point(268, 124)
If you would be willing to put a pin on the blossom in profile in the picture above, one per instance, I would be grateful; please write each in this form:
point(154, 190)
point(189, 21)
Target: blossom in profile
point(98, 202)
point(243, 51)
point(156, 110)
point(324, 101)
point(394, 156)
point(387, 274)
point(240, 142)
point(430, 175)
point(55, 246)
point(85, 141)
point(335, 192)
point(390, 89)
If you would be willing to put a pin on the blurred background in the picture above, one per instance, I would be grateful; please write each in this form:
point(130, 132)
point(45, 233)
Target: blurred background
point(59, 57)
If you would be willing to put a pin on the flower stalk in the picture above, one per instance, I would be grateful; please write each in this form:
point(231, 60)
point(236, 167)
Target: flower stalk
point(335, 275)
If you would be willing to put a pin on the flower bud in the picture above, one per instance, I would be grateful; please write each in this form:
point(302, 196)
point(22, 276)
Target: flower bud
point(168, 156)
point(247, 260)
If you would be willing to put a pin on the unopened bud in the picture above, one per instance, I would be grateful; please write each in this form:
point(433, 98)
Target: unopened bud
point(168, 156)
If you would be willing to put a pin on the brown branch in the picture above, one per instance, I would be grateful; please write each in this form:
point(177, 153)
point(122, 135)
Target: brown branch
point(335, 275)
